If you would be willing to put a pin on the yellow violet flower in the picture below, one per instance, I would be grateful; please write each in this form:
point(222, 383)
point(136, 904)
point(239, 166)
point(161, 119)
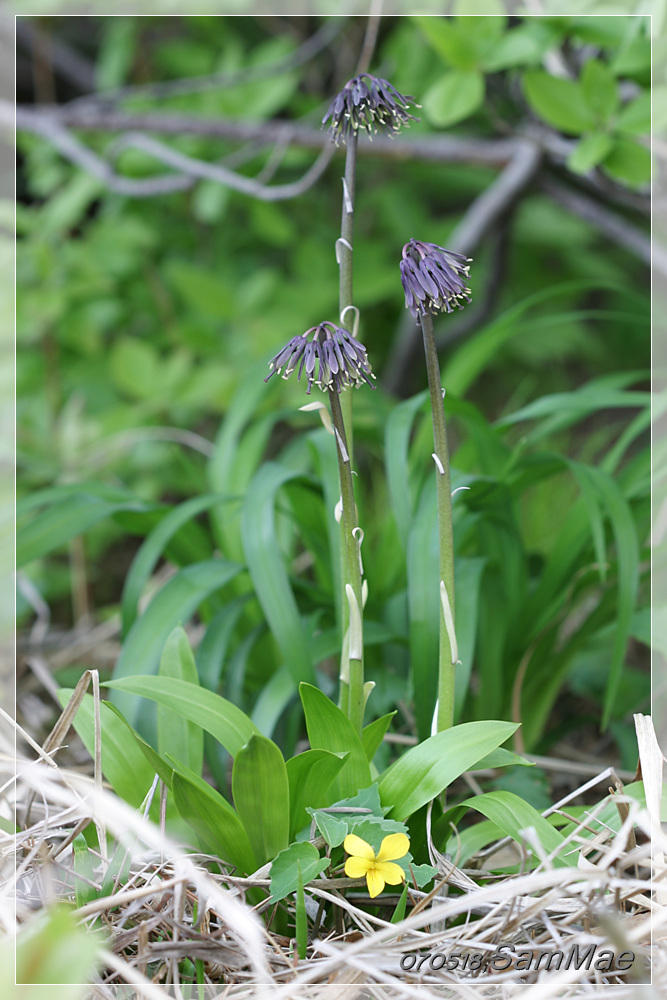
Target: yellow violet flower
point(377, 869)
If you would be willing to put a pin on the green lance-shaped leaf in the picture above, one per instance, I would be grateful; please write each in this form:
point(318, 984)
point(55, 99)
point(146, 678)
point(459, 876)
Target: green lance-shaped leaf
point(123, 764)
point(159, 764)
point(227, 723)
point(152, 549)
point(172, 605)
point(373, 734)
point(427, 769)
point(179, 736)
point(267, 569)
point(65, 519)
point(512, 815)
point(261, 795)
point(397, 443)
point(330, 729)
point(310, 776)
point(212, 818)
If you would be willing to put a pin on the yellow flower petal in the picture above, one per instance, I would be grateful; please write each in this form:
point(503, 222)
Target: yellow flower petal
point(375, 882)
point(391, 873)
point(396, 845)
point(356, 867)
point(355, 845)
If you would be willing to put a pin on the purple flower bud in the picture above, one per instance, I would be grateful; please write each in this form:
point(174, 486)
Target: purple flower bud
point(333, 359)
point(370, 103)
point(433, 279)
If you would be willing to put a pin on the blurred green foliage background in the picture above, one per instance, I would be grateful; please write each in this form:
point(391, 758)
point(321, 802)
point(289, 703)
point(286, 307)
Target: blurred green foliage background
point(143, 323)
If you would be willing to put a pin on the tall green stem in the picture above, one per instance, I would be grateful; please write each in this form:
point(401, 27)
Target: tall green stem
point(344, 254)
point(447, 654)
point(352, 699)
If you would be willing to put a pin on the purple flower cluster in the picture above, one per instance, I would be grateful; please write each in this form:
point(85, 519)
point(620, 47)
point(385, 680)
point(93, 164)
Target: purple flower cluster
point(333, 359)
point(433, 279)
point(370, 103)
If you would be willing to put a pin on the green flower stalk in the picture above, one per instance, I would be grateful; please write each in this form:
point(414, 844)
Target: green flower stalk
point(434, 280)
point(365, 104)
point(334, 360)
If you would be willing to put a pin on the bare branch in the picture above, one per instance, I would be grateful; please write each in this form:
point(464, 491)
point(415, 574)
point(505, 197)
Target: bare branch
point(192, 167)
point(432, 148)
point(614, 226)
point(221, 81)
point(188, 168)
point(480, 217)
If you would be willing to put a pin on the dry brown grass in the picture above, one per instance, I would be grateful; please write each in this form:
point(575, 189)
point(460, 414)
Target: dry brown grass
point(172, 905)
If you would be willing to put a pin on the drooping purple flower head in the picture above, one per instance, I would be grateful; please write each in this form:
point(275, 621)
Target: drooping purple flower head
point(370, 103)
point(434, 279)
point(332, 359)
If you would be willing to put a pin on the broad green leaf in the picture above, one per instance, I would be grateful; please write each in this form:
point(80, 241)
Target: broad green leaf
point(559, 101)
point(182, 738)
point(589, 151)
point(212, 650)
point(134, 368)
point(172, 605)
point(159, 765)
point(261, 795)
point(520, 46)
point(471, 840)
point(476, 353)
point(424, 607)
point(627, 555)
point(634, 58)
point(629, 162)
point(267, 569)
point(373, 734)
point(67, 519)
point(52, 948)
point(467, 582)
point(500, 758)
point(333, 829)
point(228, 724)
point(84, 872)
point(454, 97)
point(444, 35)
point(285, 868)
point(212, 818)
point(203, 291)
point(223, 472)
point(397, 440)
point(335, 821)
point(635, 116)
point(598, 394)
point(273, 699)
point(123, 764)
point(152, 549)
point(599, 88)
point(422, 773)
point(329, 729)
point(512, 815)
point(310, 775)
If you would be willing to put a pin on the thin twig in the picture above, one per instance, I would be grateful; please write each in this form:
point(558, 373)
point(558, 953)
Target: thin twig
point(434, 148)
point(221, 81)
point(50, 128)
point(610, 224)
